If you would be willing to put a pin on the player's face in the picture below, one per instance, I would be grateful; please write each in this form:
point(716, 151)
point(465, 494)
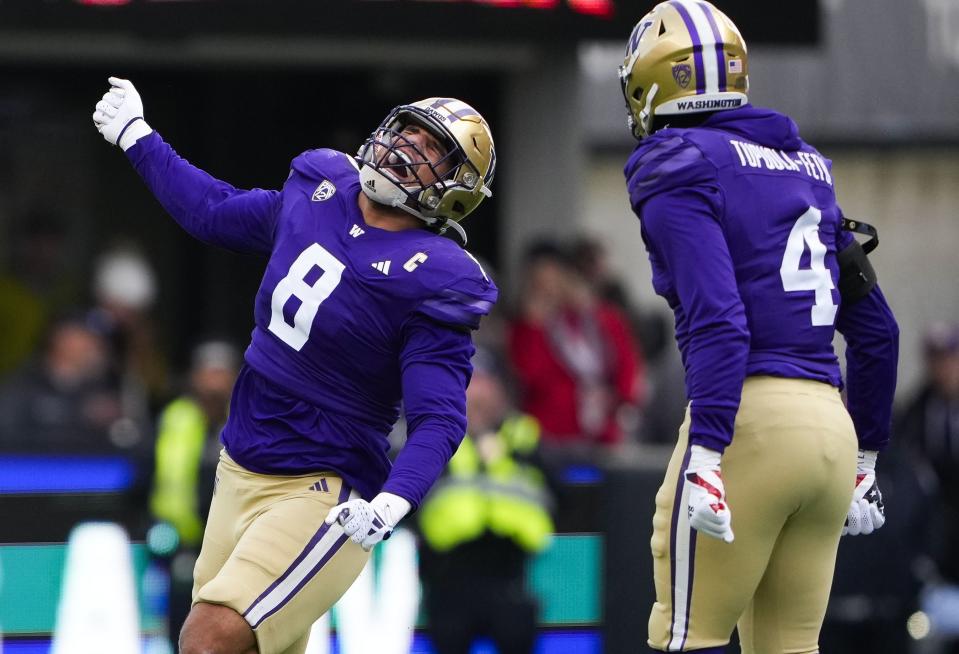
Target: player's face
point(416, 156)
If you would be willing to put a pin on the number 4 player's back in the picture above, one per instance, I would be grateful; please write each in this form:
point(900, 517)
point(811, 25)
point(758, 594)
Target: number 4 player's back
point(747, 245)
point(773, 197)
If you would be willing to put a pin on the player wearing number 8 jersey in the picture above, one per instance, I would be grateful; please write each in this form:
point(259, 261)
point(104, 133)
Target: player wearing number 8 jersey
point(362, 303)
point(747, 246)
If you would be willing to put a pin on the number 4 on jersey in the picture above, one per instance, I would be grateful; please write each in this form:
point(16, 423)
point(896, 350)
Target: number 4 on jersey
point(814, 278)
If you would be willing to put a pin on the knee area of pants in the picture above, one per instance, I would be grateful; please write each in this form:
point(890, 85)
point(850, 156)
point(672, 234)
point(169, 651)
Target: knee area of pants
point(659, 546)
point(207, 638)
point(206, 646)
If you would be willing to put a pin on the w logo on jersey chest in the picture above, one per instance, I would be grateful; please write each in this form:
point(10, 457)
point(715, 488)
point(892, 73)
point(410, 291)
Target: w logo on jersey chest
point(324, 191)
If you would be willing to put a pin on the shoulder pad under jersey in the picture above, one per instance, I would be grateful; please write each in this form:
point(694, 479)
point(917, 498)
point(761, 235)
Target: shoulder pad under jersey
point(456, 289)
point(324, 164)
point(667, 161)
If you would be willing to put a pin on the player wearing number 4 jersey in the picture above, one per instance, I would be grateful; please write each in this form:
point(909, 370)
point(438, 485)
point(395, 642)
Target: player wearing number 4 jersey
point(362, 303)
point(748, 247)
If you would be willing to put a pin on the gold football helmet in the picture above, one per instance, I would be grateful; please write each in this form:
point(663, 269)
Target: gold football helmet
point(683, 57)
point(389, 161)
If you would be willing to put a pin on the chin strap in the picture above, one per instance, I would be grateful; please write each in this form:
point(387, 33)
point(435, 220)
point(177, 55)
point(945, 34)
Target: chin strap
point(460, 232)
point(646, 115)
point(441, 225)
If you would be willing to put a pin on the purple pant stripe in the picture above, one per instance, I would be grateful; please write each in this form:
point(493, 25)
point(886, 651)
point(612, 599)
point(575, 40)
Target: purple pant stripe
point(720, 54)
point(326, 557)
point(344, 495)
point(697, 46)
point(673, 525)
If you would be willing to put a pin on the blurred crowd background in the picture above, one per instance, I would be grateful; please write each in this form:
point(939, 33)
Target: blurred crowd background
point(120, 336)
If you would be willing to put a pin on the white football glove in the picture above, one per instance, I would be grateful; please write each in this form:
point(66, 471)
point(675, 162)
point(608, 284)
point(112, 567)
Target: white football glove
point(367, 523)
point(706, 496)
point(866, 512)
point(119, 115)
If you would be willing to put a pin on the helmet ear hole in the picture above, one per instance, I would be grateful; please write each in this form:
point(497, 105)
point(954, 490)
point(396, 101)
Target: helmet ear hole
point(638, 93)
point(458, 207)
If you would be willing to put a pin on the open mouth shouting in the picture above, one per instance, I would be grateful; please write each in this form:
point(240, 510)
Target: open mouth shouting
point(400, 166)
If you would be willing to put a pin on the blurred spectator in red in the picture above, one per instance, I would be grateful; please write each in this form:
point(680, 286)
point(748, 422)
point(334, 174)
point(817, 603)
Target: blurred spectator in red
point(124, 291)
point(591, 258)
point(65, 401)
point(579, 370)
point(929, 427)
point(651, 330)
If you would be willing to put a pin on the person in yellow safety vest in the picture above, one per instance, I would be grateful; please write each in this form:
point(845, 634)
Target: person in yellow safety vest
point(187, 451)
point(482, 523)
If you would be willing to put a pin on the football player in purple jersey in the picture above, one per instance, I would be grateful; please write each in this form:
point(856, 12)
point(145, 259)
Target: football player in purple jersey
point(363, 303)
point(758, 264)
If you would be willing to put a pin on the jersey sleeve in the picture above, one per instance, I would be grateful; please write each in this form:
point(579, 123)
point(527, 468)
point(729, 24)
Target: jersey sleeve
point(872, 357)
point(460, 304)
point(435, 368)
point(208, 209)
point(674, 192)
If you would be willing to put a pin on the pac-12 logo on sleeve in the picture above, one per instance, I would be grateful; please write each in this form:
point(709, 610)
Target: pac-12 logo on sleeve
point(324, 191)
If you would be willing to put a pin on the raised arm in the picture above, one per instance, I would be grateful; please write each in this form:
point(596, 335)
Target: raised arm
point(208, 209)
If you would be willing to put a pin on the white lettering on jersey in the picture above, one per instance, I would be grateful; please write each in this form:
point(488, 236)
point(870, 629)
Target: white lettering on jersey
point(356, 231)
point(759, 156)
point(324, 191)
point(415, 261)
point(383, 266)
point(310, 297)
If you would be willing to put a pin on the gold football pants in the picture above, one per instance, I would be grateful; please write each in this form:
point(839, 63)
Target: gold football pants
point(268, 555)
point(789, 475)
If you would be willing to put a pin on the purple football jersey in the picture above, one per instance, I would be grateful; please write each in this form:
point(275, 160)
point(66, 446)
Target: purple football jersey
point(742, 228)
point(349, 319)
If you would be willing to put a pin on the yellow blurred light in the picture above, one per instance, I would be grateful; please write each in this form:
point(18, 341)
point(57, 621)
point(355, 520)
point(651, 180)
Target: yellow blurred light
point(918, 625)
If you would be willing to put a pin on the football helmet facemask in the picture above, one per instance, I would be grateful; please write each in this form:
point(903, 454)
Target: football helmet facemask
point(393, 169)
point(683, 57)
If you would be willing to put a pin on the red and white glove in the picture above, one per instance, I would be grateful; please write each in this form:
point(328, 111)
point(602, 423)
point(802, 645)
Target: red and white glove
point(866, 512)
point(706, 496)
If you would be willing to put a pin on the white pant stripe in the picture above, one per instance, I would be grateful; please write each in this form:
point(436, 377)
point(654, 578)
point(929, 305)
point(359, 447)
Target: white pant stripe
point(683, 566)
point(291, 584)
